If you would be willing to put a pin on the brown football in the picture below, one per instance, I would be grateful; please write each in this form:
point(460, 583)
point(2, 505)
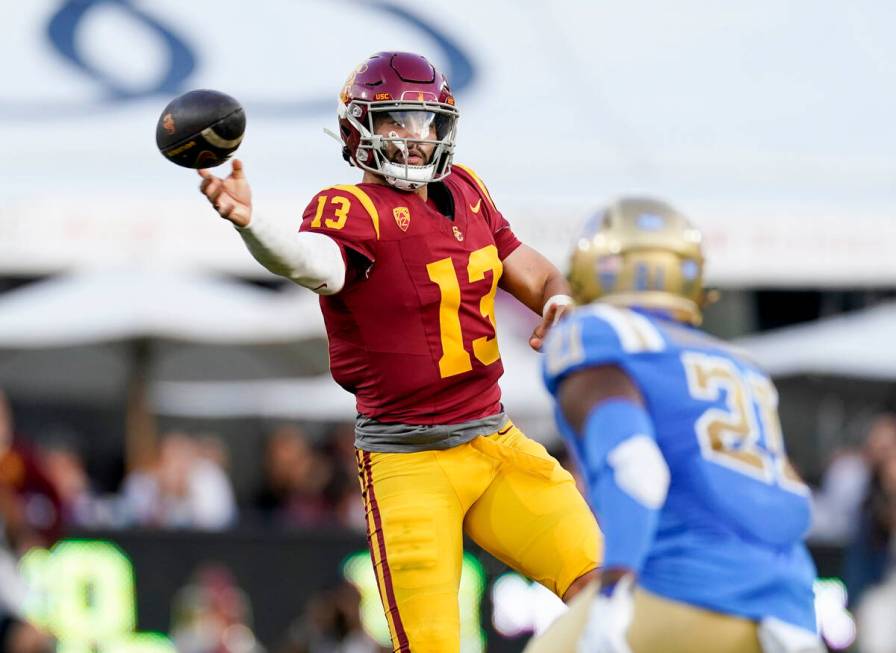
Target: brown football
point(200, 129)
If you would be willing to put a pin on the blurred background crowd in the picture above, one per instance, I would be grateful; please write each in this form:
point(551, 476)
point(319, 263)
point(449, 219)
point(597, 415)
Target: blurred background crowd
point(302, 479)
point(300, 483)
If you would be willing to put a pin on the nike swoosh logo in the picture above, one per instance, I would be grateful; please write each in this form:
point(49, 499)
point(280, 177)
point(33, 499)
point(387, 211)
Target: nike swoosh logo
point(475, 207)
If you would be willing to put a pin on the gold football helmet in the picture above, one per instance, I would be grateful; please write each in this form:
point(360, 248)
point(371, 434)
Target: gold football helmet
point(640, 252)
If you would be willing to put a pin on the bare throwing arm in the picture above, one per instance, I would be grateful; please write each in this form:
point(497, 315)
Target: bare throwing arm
point(538, 284)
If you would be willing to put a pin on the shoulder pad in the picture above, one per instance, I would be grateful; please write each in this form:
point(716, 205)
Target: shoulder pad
point(634, 332)
point(473, 179)
point(597, 334)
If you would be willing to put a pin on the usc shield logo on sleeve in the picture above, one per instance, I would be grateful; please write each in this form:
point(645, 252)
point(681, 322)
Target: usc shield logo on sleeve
point(402, 217)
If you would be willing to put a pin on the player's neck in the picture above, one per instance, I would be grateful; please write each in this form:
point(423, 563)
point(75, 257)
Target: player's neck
point(371, 178)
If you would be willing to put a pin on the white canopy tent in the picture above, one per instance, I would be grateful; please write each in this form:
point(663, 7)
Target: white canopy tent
point(106, 336)
point(856, 345)
point(75, 335)
point(206, 346)
point(118, 304)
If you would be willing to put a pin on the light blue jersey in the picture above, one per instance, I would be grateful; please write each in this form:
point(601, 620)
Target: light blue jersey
point(729, 535)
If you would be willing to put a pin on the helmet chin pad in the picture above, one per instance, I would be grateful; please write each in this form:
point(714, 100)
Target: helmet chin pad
point(405, 177)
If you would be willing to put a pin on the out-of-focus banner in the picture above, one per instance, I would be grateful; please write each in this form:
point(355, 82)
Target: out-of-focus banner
point(95, 591)
point(769, 122)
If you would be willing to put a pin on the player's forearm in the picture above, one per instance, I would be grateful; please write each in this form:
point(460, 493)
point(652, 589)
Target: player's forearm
point(555, 285)
point(628, 480)
point(532, 278)
point(309, 259)
point(543, 283)
point(628, 526)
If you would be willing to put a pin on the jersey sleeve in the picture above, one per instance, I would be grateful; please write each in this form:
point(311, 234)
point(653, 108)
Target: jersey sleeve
point(347, 215)
point(505, 240)
point(596, 335)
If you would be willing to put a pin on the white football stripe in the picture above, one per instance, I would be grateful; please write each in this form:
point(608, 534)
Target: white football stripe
point(211, 137)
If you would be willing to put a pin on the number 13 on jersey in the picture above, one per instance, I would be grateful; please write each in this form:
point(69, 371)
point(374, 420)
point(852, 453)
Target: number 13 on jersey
point(455, 359)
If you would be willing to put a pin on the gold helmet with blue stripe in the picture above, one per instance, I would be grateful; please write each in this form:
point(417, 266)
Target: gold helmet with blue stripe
point(640, 252)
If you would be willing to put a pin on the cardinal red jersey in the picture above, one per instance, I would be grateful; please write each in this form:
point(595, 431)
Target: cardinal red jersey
point(412, 333)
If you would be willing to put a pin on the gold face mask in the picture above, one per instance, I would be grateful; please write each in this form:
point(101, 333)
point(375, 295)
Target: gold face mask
point(640, 252)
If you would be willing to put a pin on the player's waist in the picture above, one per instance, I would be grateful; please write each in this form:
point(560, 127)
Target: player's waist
point(373, 435)
point(744, 582)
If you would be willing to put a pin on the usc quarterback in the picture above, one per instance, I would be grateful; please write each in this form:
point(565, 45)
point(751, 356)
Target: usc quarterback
point(678, 437)
point(407, 264)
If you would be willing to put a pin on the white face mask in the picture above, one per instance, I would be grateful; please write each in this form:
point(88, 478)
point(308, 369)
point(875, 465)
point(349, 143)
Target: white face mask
point(406, 176)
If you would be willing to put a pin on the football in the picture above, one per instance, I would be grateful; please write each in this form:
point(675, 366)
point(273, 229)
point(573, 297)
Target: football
point(200, 129)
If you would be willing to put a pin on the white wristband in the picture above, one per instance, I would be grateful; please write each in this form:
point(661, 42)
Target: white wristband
point(556, 300)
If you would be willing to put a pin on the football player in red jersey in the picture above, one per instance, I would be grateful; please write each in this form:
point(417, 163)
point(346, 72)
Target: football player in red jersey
point(407, 264)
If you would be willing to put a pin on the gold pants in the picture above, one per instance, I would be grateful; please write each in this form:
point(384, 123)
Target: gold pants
point(658, 626)
point(504, 491)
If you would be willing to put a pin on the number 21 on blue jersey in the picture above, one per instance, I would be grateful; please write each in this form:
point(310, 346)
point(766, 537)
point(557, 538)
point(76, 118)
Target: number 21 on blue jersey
point(733, 436)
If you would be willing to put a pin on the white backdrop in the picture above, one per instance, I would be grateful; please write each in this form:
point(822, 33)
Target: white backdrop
point(769, 122)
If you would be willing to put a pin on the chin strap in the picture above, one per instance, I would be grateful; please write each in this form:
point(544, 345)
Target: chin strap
point(403, 184)
point(346, 153)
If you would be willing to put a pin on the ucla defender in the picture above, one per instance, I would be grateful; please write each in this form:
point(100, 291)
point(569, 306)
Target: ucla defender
point(407, 264)
point(678, 438)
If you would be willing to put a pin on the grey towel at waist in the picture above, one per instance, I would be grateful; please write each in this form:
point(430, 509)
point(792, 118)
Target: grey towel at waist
point(372, 435)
